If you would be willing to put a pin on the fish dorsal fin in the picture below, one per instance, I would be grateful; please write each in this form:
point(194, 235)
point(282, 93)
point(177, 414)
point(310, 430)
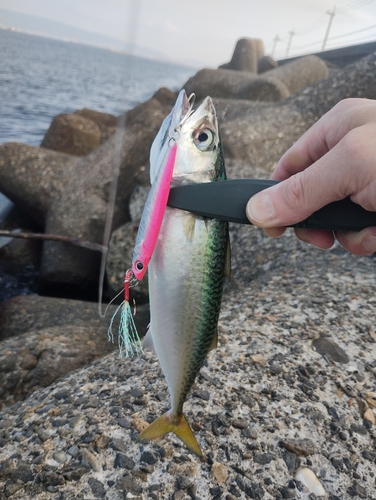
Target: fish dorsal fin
point(147, 342)
point(214, 342)
point(228, 261)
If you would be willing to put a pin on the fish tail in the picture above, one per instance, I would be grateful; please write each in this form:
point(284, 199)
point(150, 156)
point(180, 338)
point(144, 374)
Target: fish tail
point(176, 424)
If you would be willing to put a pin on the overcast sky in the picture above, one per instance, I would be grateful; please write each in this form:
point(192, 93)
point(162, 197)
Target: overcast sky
point(206, 30)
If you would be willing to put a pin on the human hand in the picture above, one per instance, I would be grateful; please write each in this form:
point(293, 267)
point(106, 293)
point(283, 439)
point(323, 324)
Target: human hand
point(334, 159)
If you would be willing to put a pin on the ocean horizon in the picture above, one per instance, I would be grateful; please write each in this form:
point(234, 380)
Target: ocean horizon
point(42, 77)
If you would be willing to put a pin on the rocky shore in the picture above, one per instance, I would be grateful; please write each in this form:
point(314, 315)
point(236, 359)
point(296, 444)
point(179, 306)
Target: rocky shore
point(284, 408)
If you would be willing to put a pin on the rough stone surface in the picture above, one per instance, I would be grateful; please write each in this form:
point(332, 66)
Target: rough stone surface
point(107, 123)
point(28, 362)
point(291, 385)
point(30, 313)
point(246, 54)
point(22, 314)
point(218, 83)
point(282, 297)
point(265, 88)
point(119, 259)
point(274, 85)
point(266, 63)
point(72, 193)
point(299, 74)
point(259, 133)
point(72, 134)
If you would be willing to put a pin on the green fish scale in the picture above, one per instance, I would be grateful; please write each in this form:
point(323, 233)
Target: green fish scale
point(210, 302)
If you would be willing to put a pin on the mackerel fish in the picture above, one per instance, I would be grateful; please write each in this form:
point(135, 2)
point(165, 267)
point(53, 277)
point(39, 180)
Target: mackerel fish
point(189, 261)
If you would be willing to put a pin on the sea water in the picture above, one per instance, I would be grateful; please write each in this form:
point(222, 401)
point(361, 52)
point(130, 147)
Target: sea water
point(41, 78)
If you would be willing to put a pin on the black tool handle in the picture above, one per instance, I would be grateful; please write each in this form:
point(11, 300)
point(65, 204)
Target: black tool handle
point(226, 200)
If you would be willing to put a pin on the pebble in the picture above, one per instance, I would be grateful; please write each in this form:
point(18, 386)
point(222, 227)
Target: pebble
point(301, 447)
point(124, 462)
point(73, 451)
point(60, 456)
point(202, 394)
point(124, 422)
point(264, 458)
point(97, 488)
point(307, 477)
point(90, 461)
point(240, 423)
point(139, 424)
point(330, 349)
point(370, 416)
point(220, 472)
point(357, 490)
point(149, 457)
point(258, 359)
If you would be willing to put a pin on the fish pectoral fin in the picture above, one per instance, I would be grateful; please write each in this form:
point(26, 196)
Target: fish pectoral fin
point(214, 342)
point(147, 342)
point(189, 226)
point(178, 425)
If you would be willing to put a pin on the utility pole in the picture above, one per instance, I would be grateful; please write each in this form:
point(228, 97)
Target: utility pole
point(291, 33)
point(331, 14)
point(276, 40)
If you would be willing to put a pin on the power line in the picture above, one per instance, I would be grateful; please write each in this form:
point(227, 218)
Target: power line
point(353, 32)
point(355, 4)
point(316, 42)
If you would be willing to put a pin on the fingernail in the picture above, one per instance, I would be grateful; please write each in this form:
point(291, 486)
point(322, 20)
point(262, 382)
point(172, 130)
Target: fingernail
point(260, 209)
point(369, 243)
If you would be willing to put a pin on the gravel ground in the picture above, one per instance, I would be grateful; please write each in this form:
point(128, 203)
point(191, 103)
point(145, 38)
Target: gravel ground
point(291, 385)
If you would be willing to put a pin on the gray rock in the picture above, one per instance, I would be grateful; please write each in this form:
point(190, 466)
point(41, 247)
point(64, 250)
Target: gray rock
point(137, 201)
point(120, 259)
point(218, 83)
point(301, 447)
point(97, 488)
point(265, 63)
point(266, 88)
point(25, 313)
point(90, 461)
point(72, 193)
point(274, 307)
point(107, 123)
point(46, 355)
point(72, 134)
point(299, 74)
point(246, 54)
point(258, 134)
point(231, 84)
point(330, 349)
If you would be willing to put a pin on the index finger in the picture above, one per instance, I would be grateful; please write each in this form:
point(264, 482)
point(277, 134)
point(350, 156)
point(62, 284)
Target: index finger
point(326, 133)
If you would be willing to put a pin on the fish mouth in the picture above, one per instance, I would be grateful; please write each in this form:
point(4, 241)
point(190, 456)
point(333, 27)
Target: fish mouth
point(167, 132)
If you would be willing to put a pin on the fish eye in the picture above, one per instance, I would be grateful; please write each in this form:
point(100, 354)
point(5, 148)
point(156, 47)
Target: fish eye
point(204, 139)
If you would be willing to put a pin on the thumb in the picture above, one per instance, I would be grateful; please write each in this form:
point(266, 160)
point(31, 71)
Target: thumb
point(297, 197)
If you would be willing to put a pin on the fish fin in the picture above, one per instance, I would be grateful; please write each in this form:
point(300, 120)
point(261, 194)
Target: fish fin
point(214, 342)
point(228, 261)
point(178, 425)
point(189, 226)
point(147, 342)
